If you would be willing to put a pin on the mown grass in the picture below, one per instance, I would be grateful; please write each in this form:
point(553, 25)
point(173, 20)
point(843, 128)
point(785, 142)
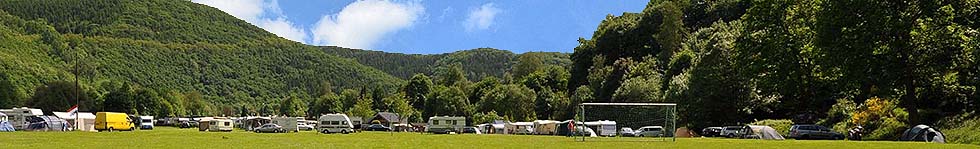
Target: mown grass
point(166, 137)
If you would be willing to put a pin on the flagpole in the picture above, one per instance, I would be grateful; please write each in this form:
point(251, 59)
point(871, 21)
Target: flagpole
point(76, 90)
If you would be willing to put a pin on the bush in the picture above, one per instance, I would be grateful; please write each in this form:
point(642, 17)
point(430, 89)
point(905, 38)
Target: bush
point(881, 118)
point(964, 132)
point(781, 125)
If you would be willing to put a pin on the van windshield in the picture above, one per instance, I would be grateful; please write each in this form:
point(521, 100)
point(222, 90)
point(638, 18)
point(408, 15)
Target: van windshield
point(147, 121)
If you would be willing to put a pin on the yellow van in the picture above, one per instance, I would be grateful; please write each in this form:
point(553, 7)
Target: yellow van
point(110, 121)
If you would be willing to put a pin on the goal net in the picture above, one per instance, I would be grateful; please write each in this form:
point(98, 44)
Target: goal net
point(626, 122)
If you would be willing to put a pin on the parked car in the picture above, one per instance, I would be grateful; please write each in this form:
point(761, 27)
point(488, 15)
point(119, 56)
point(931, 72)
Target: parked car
point(711, 131)
point(270, 128)
point(650, 131)
point(378, 127)
point(473, 130)
point(304, 127)
point(731, 131)
point(184, 124)
point(627, 132)
point(803, 132)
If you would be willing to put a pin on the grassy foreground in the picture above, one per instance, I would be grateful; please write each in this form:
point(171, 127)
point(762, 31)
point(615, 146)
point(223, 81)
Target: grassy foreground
point(187, 138)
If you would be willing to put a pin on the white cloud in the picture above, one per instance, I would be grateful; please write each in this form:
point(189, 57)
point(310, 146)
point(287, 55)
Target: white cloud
point(362, 23)
point(481, 18)
point(265, 14)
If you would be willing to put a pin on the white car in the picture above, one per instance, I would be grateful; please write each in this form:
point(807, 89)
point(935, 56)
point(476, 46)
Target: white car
point(304, 126)
point(649, 131)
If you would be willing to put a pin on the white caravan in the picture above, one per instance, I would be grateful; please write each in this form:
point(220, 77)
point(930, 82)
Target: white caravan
point(445, 124)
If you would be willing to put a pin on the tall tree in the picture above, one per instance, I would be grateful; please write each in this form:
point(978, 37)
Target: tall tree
point(417, 89)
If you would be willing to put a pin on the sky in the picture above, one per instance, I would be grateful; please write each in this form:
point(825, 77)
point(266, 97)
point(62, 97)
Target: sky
point(430, 27)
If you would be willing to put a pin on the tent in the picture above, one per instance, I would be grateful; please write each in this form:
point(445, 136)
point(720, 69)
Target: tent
point(86, 121)
point(761, 132)
point(923, 133)
point(255, 122)
point(4, 124)
point(519, 127)
point(46, 123)
point(683, 132)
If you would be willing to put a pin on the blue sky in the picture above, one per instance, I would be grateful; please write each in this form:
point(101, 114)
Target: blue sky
point(428, 27)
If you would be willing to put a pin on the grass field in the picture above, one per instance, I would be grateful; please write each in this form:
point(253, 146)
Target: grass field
point(168, 137)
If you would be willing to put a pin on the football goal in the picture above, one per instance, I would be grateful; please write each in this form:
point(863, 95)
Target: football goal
point(626, 122)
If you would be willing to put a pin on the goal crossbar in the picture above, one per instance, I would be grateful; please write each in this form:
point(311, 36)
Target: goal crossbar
point(628, 104)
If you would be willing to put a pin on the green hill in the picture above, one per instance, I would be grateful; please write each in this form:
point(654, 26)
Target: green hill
point(167, 45)
point(477, 63)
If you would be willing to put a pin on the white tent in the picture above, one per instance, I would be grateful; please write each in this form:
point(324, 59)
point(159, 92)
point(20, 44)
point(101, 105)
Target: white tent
point(86, 121)
point(762, 132)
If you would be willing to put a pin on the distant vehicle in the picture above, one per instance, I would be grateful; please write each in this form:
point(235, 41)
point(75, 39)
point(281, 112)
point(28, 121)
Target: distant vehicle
point(650, 131)
point(731, 131)
point(711, 131)
point(473, 130)
point(109, 121)
point(270, 128)
point(376, 127)
point(445, 124)
point(18, 117)
point(304, 127)
point(334, 123)
point(803, 132)
point(627, 132)
point(146, 122)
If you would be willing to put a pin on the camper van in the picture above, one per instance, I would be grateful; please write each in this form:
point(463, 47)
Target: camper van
point(445, 124)
point(110, 121)
point(223, 125)
point(333, 123)
point(287, 123)
point(146, 122)
point(18, 117)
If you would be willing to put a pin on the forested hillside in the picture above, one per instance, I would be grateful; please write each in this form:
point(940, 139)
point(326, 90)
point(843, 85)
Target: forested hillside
point(884, 65)
point(170, 48)
point(477, 63)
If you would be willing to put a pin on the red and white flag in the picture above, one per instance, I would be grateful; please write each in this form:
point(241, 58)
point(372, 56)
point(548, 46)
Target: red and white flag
point(73, 110)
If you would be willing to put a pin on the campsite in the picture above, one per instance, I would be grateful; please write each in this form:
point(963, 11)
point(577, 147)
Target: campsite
point(168, 137)
point(490, 74)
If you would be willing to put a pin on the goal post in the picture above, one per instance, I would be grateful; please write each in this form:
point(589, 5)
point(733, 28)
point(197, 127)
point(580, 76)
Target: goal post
point(645, 121)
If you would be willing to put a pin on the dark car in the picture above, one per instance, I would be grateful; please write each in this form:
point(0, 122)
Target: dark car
point(378, 127)
point(184, 124)
point(270, 128)
point(711, 132)
point(803, 132)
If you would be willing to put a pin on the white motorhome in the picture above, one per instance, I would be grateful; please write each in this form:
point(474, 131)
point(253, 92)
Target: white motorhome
point(18, 117)
point(146, 122)
point(334, 123)
point(445, 124)
point(287, 123)
point(224, 125)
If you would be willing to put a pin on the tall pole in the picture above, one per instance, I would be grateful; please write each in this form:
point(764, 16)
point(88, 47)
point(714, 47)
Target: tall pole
point(77, 103)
